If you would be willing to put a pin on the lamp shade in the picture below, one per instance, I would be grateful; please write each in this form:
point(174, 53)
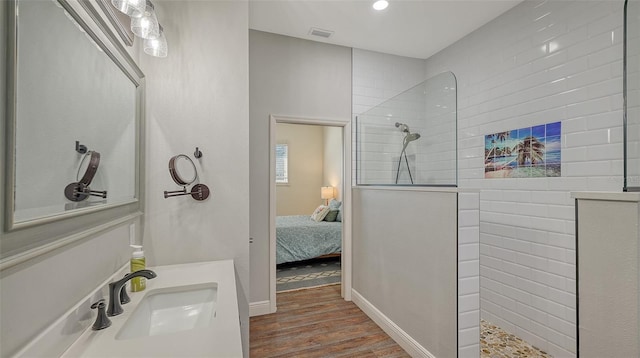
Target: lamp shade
point(156, 47)
point(146, 26)
point(133, 8)
point(326, 192)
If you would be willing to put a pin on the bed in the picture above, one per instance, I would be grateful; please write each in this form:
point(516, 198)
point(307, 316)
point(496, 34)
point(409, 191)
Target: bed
point(300, 238)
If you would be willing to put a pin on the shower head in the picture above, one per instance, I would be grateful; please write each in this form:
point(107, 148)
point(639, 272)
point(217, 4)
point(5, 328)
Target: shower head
point(412, 136)
point(403, 127)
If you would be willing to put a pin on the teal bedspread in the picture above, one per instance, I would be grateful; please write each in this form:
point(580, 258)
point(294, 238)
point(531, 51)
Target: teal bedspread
point(301, 238)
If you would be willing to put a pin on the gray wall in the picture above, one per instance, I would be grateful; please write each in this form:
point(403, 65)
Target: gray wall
point(292, 77)
point(198, 97)
point(36, 293)
point(405, 261)
point(608, 277)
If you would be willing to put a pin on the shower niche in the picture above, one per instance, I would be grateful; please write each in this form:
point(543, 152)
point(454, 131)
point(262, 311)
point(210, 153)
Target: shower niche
point(410, 139)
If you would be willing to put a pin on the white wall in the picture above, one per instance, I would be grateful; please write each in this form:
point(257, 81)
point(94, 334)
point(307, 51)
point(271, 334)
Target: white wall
point(198, 97)
point(306, 161)
point(288, 77)
point(540, 62)
point(35, 293)
point(333, 160)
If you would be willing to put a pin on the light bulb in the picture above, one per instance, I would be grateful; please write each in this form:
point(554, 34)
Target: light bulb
point(380, 5)
point(146, 26)
point(133, 8)
point(158, 46)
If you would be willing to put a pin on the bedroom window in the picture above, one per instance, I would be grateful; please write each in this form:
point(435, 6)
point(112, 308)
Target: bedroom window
point(282, 164)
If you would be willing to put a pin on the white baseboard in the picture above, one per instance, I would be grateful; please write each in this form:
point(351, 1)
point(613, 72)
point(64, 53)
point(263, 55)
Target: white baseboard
point(396, 333)
point(259, 308)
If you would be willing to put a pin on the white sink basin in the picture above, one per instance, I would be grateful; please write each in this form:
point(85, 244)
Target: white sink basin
point(188, 310)
point(171, 310)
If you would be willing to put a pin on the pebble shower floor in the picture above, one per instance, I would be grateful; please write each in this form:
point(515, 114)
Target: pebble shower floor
point(496, 343)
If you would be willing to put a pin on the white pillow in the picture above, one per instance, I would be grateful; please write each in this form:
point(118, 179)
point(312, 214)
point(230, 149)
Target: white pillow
point(320, 212)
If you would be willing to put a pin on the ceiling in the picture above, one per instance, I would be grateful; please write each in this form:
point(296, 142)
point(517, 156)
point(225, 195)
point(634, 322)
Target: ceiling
point(412, 28)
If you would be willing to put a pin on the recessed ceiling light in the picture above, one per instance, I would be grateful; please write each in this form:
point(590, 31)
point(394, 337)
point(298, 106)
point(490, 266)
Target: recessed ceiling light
point(380, 5)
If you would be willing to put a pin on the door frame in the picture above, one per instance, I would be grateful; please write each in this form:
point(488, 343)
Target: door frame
point(346, 257)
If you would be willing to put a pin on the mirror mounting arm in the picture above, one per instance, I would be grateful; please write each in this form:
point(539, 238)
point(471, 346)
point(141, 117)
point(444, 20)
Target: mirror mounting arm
point(199, 192)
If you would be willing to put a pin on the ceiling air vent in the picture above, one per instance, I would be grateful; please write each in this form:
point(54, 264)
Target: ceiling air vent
point(320, 32)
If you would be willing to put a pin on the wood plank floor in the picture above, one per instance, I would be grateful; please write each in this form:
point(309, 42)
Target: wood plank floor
point(317, 322)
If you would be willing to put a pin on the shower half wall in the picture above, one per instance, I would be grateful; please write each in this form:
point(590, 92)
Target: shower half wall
point(415, 235)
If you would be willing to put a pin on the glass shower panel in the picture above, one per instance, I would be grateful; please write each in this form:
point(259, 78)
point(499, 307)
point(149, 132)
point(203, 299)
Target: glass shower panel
point(410, 139)
point(632, 95)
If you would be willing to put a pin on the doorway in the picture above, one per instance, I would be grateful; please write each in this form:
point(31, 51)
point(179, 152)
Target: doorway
point(344, 126)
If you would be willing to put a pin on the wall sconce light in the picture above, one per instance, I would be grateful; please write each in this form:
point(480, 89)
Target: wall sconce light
point(146, 26)
point(133, 8)
point(156, 47)
point(326, 192)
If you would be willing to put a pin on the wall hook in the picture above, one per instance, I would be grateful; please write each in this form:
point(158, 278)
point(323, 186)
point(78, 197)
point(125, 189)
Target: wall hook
point(80, 148)
point(197, 153)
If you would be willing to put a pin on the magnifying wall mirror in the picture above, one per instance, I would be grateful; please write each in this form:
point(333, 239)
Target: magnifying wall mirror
point(182, 170)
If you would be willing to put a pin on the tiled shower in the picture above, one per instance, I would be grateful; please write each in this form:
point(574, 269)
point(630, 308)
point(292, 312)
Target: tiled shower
point(540, 62)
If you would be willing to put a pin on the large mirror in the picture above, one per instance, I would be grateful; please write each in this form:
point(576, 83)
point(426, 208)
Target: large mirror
point(74, 115)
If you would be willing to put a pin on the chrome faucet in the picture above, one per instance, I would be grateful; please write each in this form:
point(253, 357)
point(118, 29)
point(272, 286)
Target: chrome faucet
point(117, 286)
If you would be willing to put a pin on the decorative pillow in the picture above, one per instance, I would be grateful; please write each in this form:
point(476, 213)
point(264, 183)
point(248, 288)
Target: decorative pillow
point(331, 215)
point(335, 204)
point(339, 217)
point(320, 212)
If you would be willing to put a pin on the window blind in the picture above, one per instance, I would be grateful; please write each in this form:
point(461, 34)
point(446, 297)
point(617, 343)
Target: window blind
point(282, 163)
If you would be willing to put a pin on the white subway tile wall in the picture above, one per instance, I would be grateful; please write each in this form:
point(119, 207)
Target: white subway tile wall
point(378, 77)
point(541, 62)
point(468, 275)
point(428, 109)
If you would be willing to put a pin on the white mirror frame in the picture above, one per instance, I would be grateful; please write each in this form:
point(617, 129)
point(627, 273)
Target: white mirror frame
point(25, 240)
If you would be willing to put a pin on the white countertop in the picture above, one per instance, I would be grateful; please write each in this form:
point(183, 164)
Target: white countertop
point(219, 340)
